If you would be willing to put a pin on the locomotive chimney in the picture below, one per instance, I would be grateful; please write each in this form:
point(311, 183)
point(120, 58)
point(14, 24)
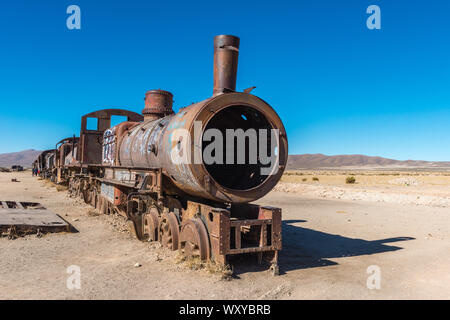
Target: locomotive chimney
point(226, 52)
point(158, 104)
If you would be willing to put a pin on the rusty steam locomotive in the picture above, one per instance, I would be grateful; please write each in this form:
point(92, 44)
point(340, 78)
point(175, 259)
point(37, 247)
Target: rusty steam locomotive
point(201, 208)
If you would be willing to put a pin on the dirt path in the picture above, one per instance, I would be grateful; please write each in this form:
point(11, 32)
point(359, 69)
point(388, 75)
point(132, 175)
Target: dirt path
point(328, 246)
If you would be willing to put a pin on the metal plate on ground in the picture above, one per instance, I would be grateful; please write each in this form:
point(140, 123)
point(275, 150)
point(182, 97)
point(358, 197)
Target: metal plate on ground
point(29, 217)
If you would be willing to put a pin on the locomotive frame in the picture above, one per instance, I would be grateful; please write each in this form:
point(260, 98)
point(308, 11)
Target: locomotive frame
point(150, 197)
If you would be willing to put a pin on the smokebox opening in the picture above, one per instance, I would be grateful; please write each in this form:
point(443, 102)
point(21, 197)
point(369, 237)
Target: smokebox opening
point(232, 172)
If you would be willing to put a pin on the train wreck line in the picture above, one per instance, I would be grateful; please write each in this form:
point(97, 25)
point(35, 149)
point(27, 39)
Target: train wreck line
point(201, 208)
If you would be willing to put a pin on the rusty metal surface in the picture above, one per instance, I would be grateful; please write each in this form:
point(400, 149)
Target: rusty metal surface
point(66, 151)
point(168, 231)
point(149, 144)
point(151, 223)
point(194, 242)
point(226, 53)
point(91, 141)
point(256, 230)
point(201, 209)
point(158, 103)
point(29, 217)
point(45, 163)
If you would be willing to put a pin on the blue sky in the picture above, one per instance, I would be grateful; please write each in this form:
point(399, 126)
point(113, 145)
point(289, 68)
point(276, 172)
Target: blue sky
point(339, 87)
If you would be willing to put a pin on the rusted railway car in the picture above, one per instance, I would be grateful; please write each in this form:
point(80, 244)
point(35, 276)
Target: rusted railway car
point(202, 208)
point(45, 163)
point(65, 154)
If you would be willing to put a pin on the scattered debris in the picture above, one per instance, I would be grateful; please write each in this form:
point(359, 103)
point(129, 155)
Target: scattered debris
point(21, 218)
point(137, 265)
point(10, 233)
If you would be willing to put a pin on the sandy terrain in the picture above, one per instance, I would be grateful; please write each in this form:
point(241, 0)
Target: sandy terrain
point(401, 187)
point(328, 245)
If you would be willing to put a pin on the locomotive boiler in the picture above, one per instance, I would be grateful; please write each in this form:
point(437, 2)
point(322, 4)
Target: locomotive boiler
point(187, 179)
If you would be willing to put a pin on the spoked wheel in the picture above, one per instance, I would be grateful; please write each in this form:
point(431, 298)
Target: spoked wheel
point(168, 231)
point(194, 242)
point(151, 222)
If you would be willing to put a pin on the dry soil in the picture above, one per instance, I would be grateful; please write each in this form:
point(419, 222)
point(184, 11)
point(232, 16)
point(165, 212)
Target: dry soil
point(328, 246)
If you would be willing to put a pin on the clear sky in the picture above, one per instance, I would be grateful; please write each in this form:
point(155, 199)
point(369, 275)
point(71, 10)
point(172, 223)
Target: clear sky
point(339, 87)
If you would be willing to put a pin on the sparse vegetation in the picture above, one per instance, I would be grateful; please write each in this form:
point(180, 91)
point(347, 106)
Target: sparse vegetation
point(304, 179)
point(93, 213)
point(196, 264)
point(293, 173)
point(315, 179)
point(367, 178)
point(350, 180)
point(60, 188)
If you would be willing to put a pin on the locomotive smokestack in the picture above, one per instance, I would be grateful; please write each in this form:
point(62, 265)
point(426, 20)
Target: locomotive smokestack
point(226, 53)
point(158, 104)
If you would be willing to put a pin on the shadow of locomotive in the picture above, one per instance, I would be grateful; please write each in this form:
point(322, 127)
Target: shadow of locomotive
point(306, 248)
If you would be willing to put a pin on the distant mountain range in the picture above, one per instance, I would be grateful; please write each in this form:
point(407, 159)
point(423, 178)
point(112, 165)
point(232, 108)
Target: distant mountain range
point(312, 161)
point(22, 158)
point(300, 161)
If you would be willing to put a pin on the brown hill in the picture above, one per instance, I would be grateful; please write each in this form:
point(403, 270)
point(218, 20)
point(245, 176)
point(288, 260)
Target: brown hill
point(23, 158)
point(299, 161)
point(312, 161)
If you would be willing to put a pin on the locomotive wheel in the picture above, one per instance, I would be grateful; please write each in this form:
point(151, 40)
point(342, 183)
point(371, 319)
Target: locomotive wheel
point(168, 231)
point(104, 205)
point(131, 228)
point(151, 223)
point(94, 198)
point(84, 191)
point(87, 196)
point(194, 242)
point(100, 204)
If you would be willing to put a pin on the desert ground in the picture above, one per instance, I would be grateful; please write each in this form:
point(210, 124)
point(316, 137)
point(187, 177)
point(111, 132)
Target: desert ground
point(333, 232)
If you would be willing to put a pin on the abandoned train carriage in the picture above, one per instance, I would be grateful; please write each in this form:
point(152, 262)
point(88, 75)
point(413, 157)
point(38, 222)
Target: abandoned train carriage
point(199, 208)
point(45, 163)
point(65, 154)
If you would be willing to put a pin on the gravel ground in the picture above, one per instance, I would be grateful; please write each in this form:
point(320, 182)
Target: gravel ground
point(416, 197)
point(328, 244)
